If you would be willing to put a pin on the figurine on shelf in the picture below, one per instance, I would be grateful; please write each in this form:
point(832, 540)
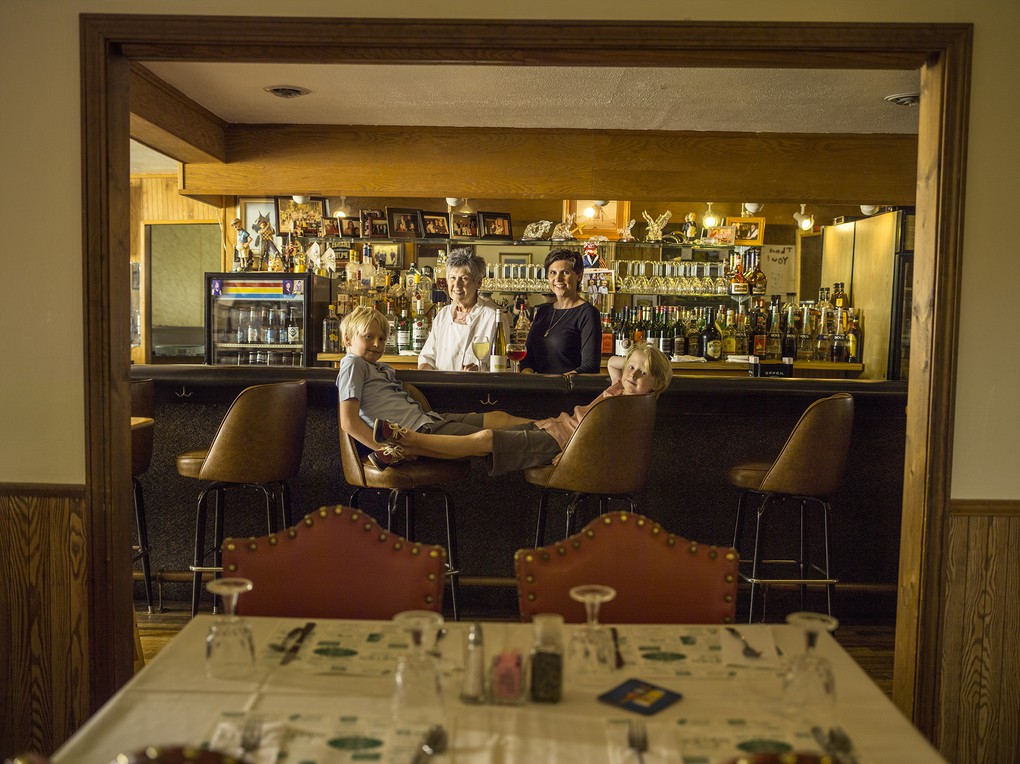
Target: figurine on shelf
point(562, 231)
point(625, 232)
point(590, 254)
point(537, 230)
point(264, 243)
point(690, 228)
point(655, 226)
point(242, 258)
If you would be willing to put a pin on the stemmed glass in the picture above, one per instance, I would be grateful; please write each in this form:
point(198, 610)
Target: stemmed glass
point(809, 687)
point(417, 687)
point(592, 657)
point(229, 646)
point(516, 352)
point(480, 349)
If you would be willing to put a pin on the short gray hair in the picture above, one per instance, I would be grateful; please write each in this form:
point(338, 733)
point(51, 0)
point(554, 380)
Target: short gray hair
point(465, 258)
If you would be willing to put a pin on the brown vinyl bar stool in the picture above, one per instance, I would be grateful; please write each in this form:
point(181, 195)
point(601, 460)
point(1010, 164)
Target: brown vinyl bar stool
point(258, 444)
point(809, 468)
point(607, 456)
point(658, 577)
point(336, 563)
point(402, 482)
point(142, 407)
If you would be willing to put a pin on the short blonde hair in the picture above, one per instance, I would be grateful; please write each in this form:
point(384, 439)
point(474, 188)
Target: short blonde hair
point(358, 321)
point(657, 366)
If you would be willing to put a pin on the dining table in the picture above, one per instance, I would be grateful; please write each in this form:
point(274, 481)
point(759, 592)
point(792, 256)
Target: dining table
point(329, 700)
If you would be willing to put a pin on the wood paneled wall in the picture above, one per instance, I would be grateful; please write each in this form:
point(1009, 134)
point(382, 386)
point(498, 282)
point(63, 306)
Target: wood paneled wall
point(156, 198)
point(44, 655)
point(979, 696)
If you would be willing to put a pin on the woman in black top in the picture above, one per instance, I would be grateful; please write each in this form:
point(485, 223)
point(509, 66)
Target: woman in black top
point(566, 334)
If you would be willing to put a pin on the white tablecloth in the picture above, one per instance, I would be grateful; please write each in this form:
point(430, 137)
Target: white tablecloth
point(171, 702)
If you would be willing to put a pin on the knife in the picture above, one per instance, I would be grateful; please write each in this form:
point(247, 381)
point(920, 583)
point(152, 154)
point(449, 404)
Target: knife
point(295, 646)
point(616, 646)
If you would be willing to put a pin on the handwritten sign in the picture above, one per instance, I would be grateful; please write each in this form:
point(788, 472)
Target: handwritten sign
point(778, 262)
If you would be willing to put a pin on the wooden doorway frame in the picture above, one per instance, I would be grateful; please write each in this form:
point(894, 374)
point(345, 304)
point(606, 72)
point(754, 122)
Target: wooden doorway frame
point(942, 52)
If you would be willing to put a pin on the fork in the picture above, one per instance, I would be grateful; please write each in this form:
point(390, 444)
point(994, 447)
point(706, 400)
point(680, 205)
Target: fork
point(748, 651)
point(251, 734)
point(637, 738)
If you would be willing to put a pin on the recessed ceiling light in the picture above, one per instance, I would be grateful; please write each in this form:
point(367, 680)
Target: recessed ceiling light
point(287, 91)
point(904, 99)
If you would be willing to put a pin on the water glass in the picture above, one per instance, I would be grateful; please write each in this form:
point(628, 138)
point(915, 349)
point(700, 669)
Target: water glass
point(417, 685)
point(229, 645)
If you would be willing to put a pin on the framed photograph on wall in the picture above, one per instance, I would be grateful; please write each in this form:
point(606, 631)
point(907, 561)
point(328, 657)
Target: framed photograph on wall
point(350, 228)
point(463, 225)
point(495, 225)
point(404, 222)
point(300, 219)
point(374, 224)
point(391, 255)
point(748, 231)
point(721, 234)
point(330, 226)
point(514, 258)
point(436, 225)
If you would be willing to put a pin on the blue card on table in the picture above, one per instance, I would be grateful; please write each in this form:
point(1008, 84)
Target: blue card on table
point(640, 697)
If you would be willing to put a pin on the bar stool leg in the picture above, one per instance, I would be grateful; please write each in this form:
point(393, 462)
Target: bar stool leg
point(285, 504)
point(829, 588)
point(543, 501)
point(756, 558)
point(196, 580)
point(143, 541)
point(802, 557)
point(452, 557)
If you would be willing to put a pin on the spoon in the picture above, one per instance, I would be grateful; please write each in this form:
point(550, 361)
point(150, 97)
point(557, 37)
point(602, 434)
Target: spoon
point(748, 651)
point(435, 742)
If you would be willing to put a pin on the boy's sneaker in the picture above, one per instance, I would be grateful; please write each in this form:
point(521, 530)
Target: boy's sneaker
point(387, 432)
point(386, 456)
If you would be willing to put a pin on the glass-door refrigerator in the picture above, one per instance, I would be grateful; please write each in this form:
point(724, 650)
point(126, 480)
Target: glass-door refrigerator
point(265, 319)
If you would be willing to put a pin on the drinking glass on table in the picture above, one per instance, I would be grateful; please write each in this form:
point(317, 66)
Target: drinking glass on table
point(229, 646)
point(516, 352)
point(480, 349)
point(809, 687)
point(591, 657)
point(417, 686)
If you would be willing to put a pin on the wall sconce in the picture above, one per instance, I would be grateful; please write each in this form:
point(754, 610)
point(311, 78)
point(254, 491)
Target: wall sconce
point(804, 220)
point(709, 218)
point(869, 209)
point(595, 210)
point(300, 199)
point(343, 210)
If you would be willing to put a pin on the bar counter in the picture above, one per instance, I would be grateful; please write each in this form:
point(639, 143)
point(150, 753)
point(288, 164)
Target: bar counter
point(705, 423)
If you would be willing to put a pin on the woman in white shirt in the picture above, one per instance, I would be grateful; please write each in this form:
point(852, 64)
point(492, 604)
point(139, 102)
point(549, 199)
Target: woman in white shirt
point(467, 318)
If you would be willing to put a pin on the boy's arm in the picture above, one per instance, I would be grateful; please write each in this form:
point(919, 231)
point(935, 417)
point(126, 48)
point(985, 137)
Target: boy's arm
point(351, 423)
point(615, 366)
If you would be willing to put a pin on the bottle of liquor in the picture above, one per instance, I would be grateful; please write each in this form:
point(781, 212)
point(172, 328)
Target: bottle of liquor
point(692, 336)
point(652, 328)
point(729, 335)
point(757, 333)
point(774, 338)
point(679, 335)
point(622, 333)
point(666, 335)
point(855, 338)
point(497, 358)
point(421, 325)
point(391, 338)
point(331, 332)
point(838, 353)
point(757, 280)
point(823, 340)
point(293, 326)
point(805, 338)
point(608, 338)
point(403, 332)
point(790, 331)
point(839, 296)
point(741, 340)
point(711, 339)
point(738, 282)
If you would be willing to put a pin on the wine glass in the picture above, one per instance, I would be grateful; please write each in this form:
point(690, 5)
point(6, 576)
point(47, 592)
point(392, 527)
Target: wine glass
point(809, 686)
point(417, 686)
point(229, 646)
point(592, 658)
point(480, 349)
point(516, 352)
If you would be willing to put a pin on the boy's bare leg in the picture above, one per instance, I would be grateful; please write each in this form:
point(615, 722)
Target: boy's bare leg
point(497, 420)
point(447, 446)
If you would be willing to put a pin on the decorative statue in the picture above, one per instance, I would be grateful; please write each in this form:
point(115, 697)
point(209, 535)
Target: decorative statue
point(562, 230)
point(264, 243)
point(624, 232)
point(655, 226)
point(242, 260)
point(537, 230)
point(590, 256)
point(690, 228)
point(314, 258)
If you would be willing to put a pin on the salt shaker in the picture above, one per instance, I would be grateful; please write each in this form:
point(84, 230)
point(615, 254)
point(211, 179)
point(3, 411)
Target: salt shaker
point(473, 688)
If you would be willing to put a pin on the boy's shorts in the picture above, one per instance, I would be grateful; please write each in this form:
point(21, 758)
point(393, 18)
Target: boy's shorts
point(519, 447)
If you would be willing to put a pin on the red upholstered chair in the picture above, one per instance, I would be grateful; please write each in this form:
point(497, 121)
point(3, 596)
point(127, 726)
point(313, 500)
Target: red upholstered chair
point(658, 577)
point(336, 563)
point(808, 469)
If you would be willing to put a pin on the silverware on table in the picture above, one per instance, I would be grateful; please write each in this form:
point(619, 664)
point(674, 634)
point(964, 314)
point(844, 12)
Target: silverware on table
point(436, 740)
point(748, 651)
point(615, 633)
point(836, 744)
point(284, 645)
point(251, 734)
point(295, 646)
point(637, 738)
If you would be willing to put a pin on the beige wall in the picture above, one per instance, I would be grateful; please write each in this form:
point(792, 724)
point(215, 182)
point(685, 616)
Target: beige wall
point(41, 405)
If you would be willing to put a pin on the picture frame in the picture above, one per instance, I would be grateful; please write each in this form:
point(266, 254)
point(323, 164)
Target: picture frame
point(748, 232)
point(721, 235)
point(514, 258)
point(374, 225)
point(613, 216)
point(390, 255)
point(435, 225)
point(350, 228)
point(404, 223)
point(304, 219)
point(330, 226)
point(463, 225)
point(249, 209)
point(495, 226)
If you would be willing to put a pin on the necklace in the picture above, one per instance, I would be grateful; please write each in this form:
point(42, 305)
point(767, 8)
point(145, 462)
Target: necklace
point(556, 321)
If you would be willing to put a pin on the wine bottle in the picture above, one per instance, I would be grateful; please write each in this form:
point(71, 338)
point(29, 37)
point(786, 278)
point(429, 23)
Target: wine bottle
point(711, 339)
point(622, 336)
point(666, 334)
point(331, 332)
point(497, 358)
point(693, 334)
point(729, 336)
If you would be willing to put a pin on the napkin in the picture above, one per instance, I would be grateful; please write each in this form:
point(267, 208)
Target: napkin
point(738, 359)
point(759, 637)
point(688, 359)
point(226, 738)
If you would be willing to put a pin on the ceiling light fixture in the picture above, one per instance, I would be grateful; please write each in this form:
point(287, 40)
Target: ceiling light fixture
point(343, 210)
point(904, 99)
point(869, 209)
point(805, 221)
point(300, 199)
point(453, 201)
point(751, 208)
point(594, 211)
point(287, 91)
point(709, 218)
